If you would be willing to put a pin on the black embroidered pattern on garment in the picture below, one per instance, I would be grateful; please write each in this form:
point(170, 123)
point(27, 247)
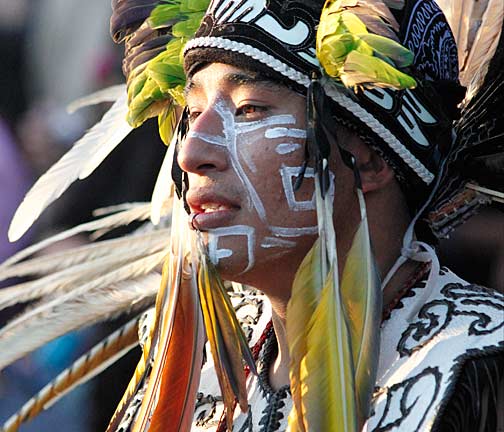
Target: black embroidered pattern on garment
point(409, 396)
point(461, 301)
point(271, 415)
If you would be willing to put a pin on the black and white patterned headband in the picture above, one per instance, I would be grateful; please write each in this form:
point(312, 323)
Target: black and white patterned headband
point(411, 128)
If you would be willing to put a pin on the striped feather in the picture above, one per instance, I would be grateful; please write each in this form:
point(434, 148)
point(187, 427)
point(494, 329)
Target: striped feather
point(101, 299)
point(148, 242)
point(86, 367)
point(59, 282)
point(132, 213)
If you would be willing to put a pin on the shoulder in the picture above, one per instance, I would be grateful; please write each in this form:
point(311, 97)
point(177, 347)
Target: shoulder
point(427, 343)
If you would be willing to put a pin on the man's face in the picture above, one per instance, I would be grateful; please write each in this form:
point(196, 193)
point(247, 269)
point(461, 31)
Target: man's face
point(243, 153)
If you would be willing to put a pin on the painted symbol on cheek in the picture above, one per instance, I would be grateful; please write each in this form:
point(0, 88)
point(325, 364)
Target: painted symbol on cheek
point(281, 132)
point(216, 234)
point(273, 242)
point(286, 148)
point(288, 173)
point(293, 232)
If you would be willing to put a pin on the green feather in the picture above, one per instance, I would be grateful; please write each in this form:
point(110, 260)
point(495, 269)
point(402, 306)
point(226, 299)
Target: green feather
point(349, 53)
point(368, 71)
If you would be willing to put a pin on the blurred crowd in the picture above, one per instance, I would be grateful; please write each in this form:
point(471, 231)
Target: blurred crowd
point(52, 52)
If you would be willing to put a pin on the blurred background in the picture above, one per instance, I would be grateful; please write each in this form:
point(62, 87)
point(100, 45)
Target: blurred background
point(53, 52)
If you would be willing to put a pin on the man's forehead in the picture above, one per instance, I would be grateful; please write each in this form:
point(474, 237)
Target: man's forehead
point(230, 76)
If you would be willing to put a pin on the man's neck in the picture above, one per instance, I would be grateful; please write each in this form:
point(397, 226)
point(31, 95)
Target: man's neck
point(279, 370)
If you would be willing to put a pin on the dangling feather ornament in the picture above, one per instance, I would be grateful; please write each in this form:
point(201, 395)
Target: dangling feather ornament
point(228, 344)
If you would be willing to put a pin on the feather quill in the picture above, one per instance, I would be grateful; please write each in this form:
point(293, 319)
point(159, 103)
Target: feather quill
point(86, 367)
point(100, 140)
point(109, 94)
point(164, 184)
point(98, 300)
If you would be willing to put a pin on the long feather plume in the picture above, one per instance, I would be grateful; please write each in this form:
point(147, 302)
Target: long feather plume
point(109, 94)
point(86, 367)
point(157, 349)
point(321, 369)
point(137, 244)
point(227, 341)
point(75, 164)
point(362, 296)
point(101, 299)
point(59, 282)
point(131, 212)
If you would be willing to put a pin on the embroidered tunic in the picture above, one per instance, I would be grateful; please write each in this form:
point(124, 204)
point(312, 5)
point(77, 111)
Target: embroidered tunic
point(439, 369)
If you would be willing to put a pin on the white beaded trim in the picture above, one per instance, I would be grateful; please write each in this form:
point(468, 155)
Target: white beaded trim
point(330, 89)
point(379, 129)
point(268, 60)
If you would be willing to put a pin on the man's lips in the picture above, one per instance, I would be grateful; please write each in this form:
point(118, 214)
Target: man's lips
point(210, 211)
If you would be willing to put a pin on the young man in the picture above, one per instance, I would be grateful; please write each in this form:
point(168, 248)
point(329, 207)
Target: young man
point(315, 155)
point(246, 146)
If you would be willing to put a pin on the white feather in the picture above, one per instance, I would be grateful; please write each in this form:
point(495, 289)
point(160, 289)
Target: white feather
point(109, 94)
point(163, 188)
point(72, 311)
point(64, 280)
point(135, 212)
point(58, 261)
point(101, 139)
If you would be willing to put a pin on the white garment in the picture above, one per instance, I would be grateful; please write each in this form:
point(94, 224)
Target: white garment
point(422, 349)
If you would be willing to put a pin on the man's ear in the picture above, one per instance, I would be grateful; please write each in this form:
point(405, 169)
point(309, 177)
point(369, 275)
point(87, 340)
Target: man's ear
point(375, 173)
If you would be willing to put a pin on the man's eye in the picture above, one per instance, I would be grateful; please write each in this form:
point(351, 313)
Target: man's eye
point(193, 115)
point(250, 110)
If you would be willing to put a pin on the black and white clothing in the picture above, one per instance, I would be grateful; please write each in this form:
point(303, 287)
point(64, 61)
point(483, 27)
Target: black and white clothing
point(441, 367)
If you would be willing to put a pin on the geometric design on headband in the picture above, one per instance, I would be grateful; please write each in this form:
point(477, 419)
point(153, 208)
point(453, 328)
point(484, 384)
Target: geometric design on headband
point(287, 28)
point(378, 128)
point(410, 113)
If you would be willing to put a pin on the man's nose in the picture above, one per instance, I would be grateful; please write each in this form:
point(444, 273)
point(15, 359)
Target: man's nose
point(205, 147)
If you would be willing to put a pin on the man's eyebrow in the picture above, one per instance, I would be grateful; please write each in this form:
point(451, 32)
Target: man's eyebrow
point(251, 79)
point(237, 78)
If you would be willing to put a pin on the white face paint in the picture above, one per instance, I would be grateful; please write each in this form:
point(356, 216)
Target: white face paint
point(217, 234)
point(264, 152)
point(286, 148)
point(281, 132)
point(273, 242)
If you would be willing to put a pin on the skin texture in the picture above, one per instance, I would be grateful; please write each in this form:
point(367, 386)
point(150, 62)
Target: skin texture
point(245, 144)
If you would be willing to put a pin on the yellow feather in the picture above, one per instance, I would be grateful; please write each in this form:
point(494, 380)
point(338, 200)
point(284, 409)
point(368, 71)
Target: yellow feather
point(361, 292)
point(227, 341)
